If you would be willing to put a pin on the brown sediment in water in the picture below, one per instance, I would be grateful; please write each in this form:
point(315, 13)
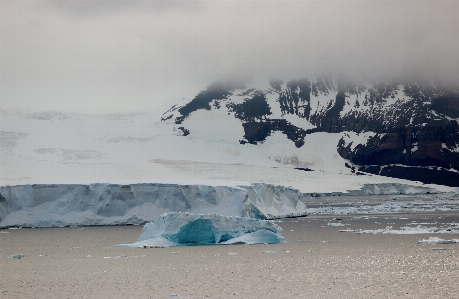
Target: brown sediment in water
point(317, 261)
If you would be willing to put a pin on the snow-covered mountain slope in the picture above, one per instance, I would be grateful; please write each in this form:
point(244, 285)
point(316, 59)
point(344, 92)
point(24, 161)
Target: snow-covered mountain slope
point(398, 130)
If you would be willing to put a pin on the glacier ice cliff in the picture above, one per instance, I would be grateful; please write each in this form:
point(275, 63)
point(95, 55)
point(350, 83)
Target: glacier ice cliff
point(185, 229)
point(112, 204)
point(265, 201)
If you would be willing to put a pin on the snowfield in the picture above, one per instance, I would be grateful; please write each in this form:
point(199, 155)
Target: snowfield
point(68, 148)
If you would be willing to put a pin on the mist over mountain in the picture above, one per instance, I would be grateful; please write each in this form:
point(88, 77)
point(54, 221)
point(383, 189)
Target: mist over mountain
point(138, 55)
point(399, 129)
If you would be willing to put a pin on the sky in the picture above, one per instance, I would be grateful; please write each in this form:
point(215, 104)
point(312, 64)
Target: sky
point(115, 56)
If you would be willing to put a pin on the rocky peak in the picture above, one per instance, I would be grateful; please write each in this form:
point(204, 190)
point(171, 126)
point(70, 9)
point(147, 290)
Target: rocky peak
point(411, 124)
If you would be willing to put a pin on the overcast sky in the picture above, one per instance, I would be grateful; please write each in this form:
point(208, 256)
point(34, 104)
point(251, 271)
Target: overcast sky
point(142, 55)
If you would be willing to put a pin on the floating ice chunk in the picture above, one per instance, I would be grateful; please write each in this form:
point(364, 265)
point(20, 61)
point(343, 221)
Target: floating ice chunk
point(335, 224)
point(261, 236)
point(436, 240)
point(411, 230)
point(183, 229)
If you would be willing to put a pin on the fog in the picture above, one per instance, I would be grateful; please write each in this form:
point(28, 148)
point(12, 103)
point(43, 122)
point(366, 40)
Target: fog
point(139, 55)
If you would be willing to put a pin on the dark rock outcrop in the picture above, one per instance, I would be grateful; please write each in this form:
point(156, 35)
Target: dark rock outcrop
point(258, 131)
point(421, 174)
point(215, 91)
point(430, 145)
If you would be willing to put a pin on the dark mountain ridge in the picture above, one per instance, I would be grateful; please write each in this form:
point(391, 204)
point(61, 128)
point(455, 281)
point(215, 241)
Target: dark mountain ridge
point(412, 128)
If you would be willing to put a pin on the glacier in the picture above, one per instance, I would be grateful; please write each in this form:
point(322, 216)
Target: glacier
point(185, 229)
point(113, 204)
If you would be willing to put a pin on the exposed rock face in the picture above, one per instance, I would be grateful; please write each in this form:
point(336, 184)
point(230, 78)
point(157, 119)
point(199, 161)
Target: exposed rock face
point(384, 123)
point(432, 144)
point(425, 175)
point(258, 131)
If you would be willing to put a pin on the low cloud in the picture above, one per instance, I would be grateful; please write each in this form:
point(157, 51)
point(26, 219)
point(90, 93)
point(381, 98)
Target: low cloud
point(111, 56)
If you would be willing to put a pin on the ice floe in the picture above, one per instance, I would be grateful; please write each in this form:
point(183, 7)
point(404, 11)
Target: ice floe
point(423, 203)
point(335, 224)
point(436, 240)
point(420, 229)
point(17, 256)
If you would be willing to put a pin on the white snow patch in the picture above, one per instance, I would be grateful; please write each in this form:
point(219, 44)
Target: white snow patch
point(214, 125)
point(355, 139)
point(454, 150)
point(298, 121)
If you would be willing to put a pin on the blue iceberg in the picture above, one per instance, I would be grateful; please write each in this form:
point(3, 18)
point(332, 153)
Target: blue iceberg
point(186, 229)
